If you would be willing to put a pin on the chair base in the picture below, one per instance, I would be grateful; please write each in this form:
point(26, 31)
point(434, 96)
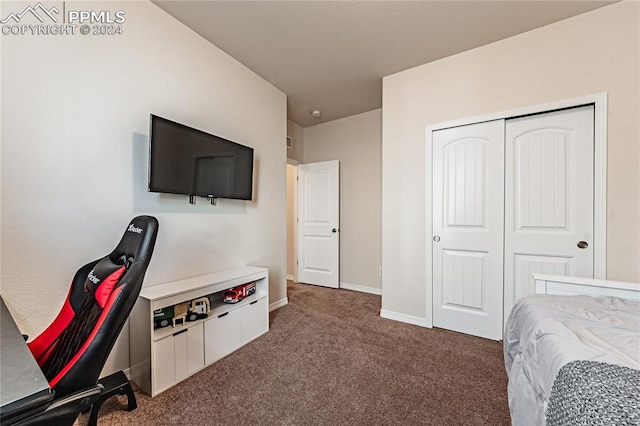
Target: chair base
point(114, 384)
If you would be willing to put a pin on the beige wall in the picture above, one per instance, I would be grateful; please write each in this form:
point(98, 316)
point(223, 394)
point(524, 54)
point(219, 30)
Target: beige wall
point(356, 142)
point(591, 53)
point(296, 132)
point(75, 123)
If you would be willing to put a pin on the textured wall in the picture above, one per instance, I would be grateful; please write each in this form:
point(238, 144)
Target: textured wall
point(75, 125)
point(595, 52)
point(356, 142)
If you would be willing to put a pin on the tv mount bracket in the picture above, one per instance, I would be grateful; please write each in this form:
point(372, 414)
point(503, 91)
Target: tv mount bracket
point(212, 200)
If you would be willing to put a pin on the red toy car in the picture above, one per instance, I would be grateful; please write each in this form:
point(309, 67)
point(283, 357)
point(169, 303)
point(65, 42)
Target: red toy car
point(237, 293)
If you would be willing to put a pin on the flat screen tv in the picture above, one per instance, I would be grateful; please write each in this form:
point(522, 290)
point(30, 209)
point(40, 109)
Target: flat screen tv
point(184, 160)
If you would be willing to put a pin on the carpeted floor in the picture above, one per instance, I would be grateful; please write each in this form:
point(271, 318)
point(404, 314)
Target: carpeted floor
point(330, 359)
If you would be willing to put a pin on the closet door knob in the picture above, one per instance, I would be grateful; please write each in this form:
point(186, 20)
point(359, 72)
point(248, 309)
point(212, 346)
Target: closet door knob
point(583, 244)
point(436, 238)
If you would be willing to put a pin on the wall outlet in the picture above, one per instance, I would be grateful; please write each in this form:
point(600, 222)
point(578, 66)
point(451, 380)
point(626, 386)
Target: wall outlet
point(380, 270)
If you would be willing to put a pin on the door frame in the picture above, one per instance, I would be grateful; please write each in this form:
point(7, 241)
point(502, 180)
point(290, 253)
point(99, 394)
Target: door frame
point(295, 164)
point(599, 100)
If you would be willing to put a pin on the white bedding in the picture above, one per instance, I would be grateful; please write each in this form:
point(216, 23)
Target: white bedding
point(544, 332)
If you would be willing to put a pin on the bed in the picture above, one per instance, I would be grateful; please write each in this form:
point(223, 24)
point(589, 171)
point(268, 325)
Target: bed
point(572, 353)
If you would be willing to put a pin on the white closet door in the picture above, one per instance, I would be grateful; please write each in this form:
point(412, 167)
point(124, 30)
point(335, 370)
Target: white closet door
point(468, 210)
point(548, 198)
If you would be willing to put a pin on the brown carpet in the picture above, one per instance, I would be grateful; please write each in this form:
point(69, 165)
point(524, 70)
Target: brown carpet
point(330, 359)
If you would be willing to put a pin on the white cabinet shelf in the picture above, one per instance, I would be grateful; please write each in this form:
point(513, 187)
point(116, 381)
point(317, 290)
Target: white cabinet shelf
point(162, 357)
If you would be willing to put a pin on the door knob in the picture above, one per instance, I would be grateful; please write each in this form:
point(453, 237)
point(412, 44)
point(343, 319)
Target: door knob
point(436, 238)
point(334, 230)
point(583, 244)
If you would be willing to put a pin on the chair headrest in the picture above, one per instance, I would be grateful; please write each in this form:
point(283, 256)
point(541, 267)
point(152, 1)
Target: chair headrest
point(135, 247)
point(137, 242)
point(102, 280)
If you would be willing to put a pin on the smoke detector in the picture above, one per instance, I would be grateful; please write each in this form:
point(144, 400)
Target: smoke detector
point(315, 113)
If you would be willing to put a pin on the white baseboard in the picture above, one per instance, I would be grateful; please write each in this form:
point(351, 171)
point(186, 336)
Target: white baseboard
point(409, 319)
point(138, 370)
point(290, 277)
point(361, 288)
point(279, 304)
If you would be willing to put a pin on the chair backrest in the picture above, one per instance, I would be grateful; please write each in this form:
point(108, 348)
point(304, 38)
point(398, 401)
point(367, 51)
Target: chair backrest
point(73, 349)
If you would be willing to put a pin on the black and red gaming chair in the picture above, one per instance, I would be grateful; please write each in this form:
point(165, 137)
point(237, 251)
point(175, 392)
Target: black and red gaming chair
point(73, 350)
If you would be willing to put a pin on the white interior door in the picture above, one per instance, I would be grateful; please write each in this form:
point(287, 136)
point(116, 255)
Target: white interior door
point(468, 209)
point(319, 223)
point(548, 198)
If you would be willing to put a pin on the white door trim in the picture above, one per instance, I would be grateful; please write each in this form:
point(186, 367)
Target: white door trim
point(599, 100)
point(294, 163)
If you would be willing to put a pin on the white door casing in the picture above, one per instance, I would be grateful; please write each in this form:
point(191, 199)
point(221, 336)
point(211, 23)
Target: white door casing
point(549, 209)
point(292, 220)
point(318, 201)
point(468, 206)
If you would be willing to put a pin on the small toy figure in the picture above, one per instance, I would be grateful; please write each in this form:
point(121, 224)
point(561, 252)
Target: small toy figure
point(237, 293)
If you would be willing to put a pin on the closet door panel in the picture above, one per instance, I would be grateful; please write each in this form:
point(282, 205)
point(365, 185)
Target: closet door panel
point(468, 205)
point(548, 198)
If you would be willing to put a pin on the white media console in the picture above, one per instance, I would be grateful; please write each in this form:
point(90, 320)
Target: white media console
point(162, 357)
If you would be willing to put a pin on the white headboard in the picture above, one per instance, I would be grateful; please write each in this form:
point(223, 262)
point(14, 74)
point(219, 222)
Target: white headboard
point(557, 284)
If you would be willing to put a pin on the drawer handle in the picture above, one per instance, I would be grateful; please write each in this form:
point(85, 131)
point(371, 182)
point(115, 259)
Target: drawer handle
point(254, 302)
point(221, 315)
point(180, 332)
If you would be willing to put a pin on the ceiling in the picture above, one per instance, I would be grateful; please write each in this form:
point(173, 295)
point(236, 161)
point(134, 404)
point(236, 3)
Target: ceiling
point(332, 55)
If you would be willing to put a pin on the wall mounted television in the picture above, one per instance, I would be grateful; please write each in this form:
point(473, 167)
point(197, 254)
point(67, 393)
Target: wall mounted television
point(184, 160)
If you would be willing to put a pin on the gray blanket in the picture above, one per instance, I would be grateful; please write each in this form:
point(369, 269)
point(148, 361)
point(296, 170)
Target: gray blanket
point(594, 393)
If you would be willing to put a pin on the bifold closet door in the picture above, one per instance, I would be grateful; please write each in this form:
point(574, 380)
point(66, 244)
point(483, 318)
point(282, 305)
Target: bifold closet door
point(548, 198)
point(468, 210)
point(510, 198)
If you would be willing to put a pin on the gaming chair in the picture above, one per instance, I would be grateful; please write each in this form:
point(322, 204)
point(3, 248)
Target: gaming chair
point(72, 351)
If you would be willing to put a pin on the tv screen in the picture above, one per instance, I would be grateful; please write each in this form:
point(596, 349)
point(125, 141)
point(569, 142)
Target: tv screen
point(184, 160)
